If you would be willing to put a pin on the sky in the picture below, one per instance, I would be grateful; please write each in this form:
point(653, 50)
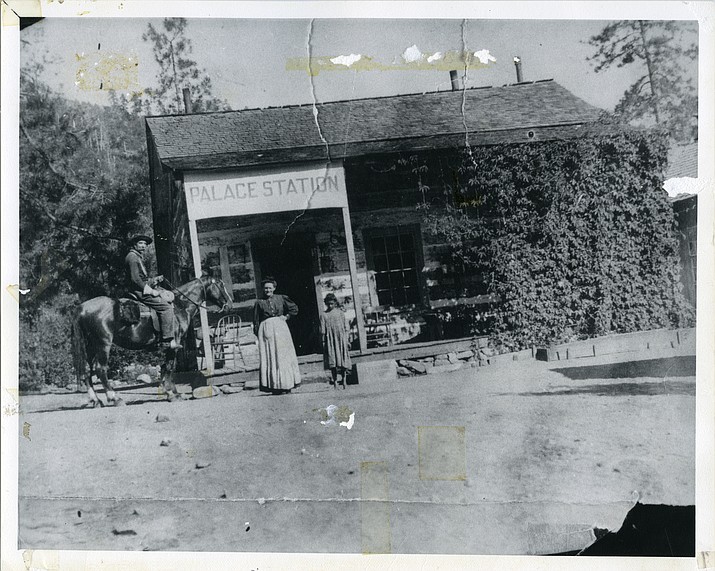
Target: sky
point(247, 59)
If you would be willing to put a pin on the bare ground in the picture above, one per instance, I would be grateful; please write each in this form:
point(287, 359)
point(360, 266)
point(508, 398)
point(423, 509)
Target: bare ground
point(546, 455)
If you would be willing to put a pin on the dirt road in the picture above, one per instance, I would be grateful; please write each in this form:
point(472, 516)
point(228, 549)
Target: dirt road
point(544, 456)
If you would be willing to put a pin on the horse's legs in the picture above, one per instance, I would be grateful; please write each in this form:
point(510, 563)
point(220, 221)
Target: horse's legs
point(102, 367)
point(93, 398)
point(167, 375)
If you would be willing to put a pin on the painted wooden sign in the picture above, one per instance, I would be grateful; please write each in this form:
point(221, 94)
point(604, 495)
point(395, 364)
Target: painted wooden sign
point(212, 195)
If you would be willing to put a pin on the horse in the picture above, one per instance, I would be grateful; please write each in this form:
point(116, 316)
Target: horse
point(97, 325)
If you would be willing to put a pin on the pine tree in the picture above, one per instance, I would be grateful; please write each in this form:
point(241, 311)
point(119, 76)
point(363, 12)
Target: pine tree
point(666, 92)
point(177, 71)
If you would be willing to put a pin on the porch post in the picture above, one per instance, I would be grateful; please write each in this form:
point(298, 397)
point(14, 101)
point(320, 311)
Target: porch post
point(362, 338)
point(206, 335)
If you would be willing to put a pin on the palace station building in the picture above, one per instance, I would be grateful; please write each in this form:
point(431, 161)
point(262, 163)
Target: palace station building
point(332, 198)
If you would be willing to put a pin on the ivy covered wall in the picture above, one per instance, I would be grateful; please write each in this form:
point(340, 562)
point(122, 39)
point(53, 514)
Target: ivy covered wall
point(577, 237)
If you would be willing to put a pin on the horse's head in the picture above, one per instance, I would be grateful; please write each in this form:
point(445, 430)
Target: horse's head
point(217, 293)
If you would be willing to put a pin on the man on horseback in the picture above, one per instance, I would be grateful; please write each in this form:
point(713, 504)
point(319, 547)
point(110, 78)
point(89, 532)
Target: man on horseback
point(143, 289)
point(100, 323)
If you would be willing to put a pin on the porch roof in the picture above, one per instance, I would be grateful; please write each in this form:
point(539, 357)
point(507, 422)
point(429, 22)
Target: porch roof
point(340, 129)
point(682, 161)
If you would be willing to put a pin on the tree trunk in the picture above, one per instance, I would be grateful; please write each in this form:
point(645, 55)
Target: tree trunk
point(176, 79)
point(651, 77)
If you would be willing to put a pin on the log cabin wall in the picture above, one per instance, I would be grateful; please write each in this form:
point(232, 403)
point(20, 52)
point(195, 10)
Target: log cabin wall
point(390, 190)
point(162, 198)
point(384, 194)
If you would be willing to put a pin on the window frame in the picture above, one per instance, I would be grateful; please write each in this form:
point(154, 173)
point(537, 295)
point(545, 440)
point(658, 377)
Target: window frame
point(415, 232)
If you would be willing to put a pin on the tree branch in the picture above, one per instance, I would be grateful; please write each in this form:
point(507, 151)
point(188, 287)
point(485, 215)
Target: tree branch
point(25, 194)
point(50, 164)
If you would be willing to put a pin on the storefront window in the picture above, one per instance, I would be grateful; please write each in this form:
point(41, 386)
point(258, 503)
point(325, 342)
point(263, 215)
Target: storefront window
point(394, 257)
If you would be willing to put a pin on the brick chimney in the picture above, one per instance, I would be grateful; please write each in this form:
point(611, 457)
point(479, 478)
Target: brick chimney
point(187, 101)
point(517, 64)
point(454, 78)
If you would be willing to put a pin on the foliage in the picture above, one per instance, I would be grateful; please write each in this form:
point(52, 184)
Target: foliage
point(577, 237)
point(45, 345)
point(84, 190)
point(177, 71)
point(45, 356)
point(83, 187)
point(126, 365)
point(666, 91)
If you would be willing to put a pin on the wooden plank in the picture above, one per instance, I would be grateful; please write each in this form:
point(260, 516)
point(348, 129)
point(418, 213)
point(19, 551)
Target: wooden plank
point(654, 339)
point(362, 336)
point(476, 300)
point(205, 331)
point(317, 289)
point(225, 269)
point(314, 363)
point(416, 351)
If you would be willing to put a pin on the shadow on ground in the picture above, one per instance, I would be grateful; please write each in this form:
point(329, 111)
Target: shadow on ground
point(683, 366)
point(623, 389)
point(84, 406)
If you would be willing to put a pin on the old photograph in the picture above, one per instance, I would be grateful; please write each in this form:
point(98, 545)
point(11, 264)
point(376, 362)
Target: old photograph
point(358, 285)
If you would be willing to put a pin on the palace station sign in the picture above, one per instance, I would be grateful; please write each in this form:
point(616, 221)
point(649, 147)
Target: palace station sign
point(213, 195)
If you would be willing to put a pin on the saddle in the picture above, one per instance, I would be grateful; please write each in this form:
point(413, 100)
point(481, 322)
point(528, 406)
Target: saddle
point(132, 312)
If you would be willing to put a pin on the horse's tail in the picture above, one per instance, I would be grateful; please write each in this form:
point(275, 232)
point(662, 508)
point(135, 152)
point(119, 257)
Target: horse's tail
point(79, 349)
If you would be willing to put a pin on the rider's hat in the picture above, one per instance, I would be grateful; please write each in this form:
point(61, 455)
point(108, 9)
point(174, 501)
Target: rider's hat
point(134, 239)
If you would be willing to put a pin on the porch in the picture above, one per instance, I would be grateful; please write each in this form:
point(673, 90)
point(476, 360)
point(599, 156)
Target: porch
point(236, 370)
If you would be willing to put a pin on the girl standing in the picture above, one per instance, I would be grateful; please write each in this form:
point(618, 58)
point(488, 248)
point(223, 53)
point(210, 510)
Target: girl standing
point(335, 328)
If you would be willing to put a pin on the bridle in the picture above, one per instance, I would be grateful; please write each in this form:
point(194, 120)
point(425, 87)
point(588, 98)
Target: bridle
point(203, 285)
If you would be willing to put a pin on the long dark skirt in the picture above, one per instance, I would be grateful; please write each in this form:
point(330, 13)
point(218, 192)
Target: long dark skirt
point(279, 363)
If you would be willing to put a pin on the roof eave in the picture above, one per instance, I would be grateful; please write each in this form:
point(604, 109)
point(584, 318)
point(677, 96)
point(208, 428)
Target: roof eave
point(342, 150)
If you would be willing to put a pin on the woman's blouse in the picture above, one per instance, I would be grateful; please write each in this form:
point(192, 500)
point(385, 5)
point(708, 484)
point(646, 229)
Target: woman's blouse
point(274, 306)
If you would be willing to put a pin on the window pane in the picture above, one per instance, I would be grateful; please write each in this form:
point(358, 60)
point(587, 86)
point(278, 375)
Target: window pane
point(396, 280)
point(406, 242)
point(384, 298)
point(392, 243)
point(408, 260)
point(237, 254)
point(380, 262)
point(377, 245)
point(411, 278)
point(382, 282)
point(394, 261)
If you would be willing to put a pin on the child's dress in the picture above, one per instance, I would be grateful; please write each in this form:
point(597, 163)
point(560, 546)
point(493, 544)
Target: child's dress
point(335, 328)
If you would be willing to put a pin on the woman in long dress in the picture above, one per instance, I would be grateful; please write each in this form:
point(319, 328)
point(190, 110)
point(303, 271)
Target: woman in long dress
point(279, 371)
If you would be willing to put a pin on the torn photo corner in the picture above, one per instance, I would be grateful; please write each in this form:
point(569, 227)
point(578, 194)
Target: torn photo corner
point(429, 284)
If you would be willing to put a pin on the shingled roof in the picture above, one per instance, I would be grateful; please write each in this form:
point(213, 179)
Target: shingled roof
point(362, 126)
point(682, 161)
